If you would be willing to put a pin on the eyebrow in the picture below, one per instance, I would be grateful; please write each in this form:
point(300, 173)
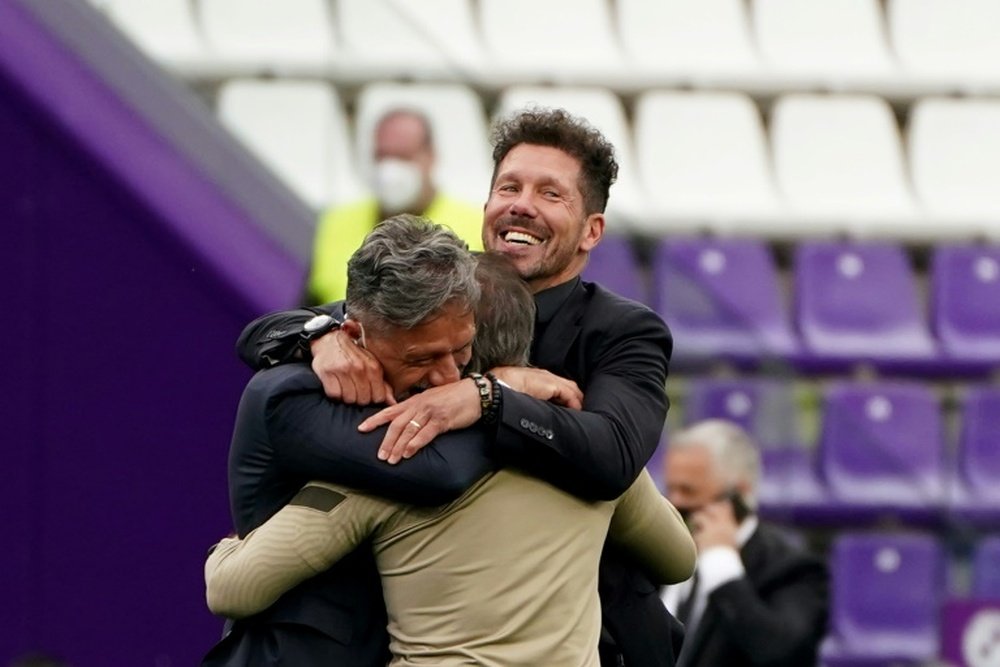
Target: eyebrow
point(416, 355)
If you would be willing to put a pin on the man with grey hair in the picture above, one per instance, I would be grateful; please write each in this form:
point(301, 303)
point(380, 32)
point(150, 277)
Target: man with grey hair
point(756, 598)
point(411, 303)
point(505, 575)
point(545, 212)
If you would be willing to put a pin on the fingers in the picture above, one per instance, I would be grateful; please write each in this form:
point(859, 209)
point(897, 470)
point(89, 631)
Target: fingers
point(380, 418)
point(386, 396)
point(567, 394)
point(420, 440)
point(411, 437)
point(391, 449)
point(349, 373)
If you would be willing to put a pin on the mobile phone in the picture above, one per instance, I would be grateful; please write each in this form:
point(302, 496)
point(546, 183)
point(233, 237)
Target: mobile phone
point(740, 508)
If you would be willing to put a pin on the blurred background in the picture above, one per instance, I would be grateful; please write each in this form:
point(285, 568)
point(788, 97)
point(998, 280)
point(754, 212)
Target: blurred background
point(809, 195)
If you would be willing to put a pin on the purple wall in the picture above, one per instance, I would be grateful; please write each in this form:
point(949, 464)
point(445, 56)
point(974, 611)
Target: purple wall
point(128, 273)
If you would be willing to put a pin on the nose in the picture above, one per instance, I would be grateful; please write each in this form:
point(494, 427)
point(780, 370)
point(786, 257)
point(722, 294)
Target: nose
point(445, 371)
point(524, 205)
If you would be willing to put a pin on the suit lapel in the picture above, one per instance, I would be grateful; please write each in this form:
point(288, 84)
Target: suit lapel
point(753, 561)
point(560, 332)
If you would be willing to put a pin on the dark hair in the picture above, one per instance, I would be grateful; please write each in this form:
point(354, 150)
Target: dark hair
point(505, 319)
point(406, 270)
point(574, 136)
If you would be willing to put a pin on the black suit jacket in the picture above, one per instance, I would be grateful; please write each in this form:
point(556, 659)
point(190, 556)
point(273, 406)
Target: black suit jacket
point(617, 351)
point(775, 616)
point(287, 433)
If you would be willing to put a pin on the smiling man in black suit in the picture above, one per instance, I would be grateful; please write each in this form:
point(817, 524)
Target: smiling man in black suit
point(545, 212)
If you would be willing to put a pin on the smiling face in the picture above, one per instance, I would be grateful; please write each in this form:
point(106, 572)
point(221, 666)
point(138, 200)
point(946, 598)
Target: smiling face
point(535, 215)
point(430, 354)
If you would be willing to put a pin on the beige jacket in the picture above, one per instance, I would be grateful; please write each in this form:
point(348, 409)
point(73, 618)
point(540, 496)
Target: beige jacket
point(505, 575)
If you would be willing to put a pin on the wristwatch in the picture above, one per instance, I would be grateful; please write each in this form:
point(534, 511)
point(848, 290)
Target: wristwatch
point(317, 326)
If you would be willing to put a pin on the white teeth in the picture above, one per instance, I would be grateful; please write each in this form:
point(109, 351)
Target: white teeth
point(521, 237)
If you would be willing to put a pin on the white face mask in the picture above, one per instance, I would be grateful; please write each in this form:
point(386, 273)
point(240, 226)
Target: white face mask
point(397, 184)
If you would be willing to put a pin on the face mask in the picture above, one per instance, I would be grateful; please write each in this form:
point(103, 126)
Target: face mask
point(397, 185)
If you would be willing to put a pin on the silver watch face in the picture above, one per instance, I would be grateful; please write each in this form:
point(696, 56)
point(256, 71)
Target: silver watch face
point(317, 323)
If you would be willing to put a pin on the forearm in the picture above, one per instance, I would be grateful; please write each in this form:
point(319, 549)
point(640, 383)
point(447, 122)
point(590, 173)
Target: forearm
point(244, 577)
point(598, 452)
point(595, 454)
point(651, 530)
point(273, 339)
point(315, 438)
point(318, 527)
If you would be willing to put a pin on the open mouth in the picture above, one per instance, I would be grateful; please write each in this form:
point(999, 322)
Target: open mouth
point(521, 238)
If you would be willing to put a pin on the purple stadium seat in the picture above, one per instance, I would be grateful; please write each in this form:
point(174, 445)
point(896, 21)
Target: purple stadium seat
point(655, 466)
point(965, 304)
point(613, 264)
point(857, 302)
point(887, 590)
point(766, 409)
point(881, 451)
point(976, 483)
point(721, 298)
point(986, 569)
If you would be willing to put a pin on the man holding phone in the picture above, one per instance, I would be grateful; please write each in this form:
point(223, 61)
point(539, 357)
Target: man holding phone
point(755, 599)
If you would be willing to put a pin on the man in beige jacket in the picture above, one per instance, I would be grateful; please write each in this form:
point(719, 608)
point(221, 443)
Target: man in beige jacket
point(505, 575)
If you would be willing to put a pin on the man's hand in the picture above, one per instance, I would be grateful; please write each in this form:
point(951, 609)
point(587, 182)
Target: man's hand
point(542, 385)
point(714, 525)
point(349, 373)
point(415, 422)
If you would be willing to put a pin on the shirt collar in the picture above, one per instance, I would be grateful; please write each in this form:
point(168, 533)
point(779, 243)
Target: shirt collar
point(548, 301)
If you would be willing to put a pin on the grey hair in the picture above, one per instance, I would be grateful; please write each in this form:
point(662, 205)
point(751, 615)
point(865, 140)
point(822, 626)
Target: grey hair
point(406, 270)
point(505, 319)
point(409, 112)
point(733, 452)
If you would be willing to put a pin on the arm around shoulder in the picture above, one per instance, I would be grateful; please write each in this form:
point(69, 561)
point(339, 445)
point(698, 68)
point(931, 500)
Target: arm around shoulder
point(273, 339)
point(314, 437)
point(647, 526)
point(598, 452)
point(317, 528)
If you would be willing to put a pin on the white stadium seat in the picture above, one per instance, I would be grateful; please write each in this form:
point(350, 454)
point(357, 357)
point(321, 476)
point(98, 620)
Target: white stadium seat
point(703, 161)
point(604, 110)
point(839, 164)
point(834, 43)
point(954, 148)
point(562, 41)
point(688, 40)
point(297, 129)
point(288, 36)
point(949, 44)
point(164, 29)
point(460, 134)
point(393, 38)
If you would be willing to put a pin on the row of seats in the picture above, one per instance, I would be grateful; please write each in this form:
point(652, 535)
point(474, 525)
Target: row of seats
point(888, 591)
point(882, 450)
point(911, 46)
point(689, 161)
point(852, 303)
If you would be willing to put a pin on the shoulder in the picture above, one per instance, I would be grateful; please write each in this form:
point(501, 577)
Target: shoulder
point(615, 304)
point(615, 313)
point(273, 382)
